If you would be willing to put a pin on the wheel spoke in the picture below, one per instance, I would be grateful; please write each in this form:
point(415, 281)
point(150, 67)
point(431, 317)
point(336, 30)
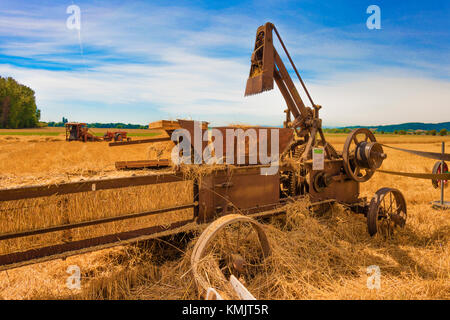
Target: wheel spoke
point(390, 203)
point(366, 138)
point(238, 236)
point(227, 241)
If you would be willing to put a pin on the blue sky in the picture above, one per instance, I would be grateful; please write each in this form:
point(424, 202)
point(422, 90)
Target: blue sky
point(141, 61)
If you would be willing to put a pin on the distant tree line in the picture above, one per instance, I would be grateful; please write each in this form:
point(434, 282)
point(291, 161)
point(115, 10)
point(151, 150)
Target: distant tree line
point(100, 125)
point(442, 132)
point(17, 105)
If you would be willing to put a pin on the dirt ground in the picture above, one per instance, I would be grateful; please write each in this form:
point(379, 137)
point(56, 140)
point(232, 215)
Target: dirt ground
point(318, 257)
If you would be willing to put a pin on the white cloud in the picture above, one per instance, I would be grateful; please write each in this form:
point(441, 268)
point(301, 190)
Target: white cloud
point(175, 66)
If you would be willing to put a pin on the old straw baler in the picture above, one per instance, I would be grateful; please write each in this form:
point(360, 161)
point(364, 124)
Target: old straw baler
point(230, 197)
point(238, 187)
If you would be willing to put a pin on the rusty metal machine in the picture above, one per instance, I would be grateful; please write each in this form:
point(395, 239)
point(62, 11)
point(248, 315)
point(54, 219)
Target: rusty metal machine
point(234, 195)
point(76, 131)
point(238, 187)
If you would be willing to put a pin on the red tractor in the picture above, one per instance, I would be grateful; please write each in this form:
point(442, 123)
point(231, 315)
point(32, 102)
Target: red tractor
point(116, 136)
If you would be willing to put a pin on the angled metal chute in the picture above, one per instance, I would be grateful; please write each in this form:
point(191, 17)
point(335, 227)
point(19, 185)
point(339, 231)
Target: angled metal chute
point(262, 62)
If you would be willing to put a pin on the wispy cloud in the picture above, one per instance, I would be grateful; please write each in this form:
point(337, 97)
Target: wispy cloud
point(143, 62)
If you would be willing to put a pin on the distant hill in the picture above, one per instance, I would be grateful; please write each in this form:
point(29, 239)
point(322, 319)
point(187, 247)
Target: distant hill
point(117, 125)
point(407, 126)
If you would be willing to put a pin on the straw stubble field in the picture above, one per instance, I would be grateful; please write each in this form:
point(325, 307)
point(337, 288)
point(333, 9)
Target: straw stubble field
point(313, 257)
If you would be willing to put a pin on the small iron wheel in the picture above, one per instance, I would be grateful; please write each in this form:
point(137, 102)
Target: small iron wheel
point(232, 244)
point(358, 141)
point(387, 210)
point(437, 169)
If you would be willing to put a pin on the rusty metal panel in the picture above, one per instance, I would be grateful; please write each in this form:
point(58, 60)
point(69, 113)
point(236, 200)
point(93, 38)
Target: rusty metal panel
point(222, 192)
point(343, 190)
point(285, 136)
point(189, 126)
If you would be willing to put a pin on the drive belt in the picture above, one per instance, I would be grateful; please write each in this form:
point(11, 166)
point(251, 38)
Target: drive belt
point(432, 176)
point(431, 155)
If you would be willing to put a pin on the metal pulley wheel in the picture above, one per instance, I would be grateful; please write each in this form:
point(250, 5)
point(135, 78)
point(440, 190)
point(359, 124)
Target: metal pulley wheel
point(232, 244)
point(362, 155)
point(437, 169)
point(321, 181)
point(387, 210)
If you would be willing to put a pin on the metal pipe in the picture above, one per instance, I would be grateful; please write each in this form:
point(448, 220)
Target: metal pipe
point(293, 65)
point(86, 186)
point(92, 222)
point(127, 143)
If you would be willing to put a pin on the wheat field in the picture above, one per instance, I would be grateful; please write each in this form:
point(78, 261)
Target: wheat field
point(314, 257)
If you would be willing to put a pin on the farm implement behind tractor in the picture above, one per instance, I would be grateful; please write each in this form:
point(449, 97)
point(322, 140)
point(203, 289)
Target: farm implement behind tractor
point(76, 131)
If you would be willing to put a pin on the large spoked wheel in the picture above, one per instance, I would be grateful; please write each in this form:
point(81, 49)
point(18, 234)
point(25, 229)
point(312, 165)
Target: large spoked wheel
point(387, 211)
point(233, 244)
point(353, 168)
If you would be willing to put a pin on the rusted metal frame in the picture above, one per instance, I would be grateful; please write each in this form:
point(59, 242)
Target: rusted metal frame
point(330, 151)
point(126, 143)
point(311, 142)
point(31, 192)
point(287, 97)
point(17, 259)
point(42, 254)
point(290, 85)
point(196, 194)
point(92, 222)
point(280, 208)
point(85, 186)
point(293, 66)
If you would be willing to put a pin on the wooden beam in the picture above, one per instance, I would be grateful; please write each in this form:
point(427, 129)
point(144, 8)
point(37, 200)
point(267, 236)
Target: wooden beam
point(141, 164)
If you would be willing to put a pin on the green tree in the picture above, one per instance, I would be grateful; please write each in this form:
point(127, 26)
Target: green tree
point(17, 105)
point(433, 132)
point(443, 132)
